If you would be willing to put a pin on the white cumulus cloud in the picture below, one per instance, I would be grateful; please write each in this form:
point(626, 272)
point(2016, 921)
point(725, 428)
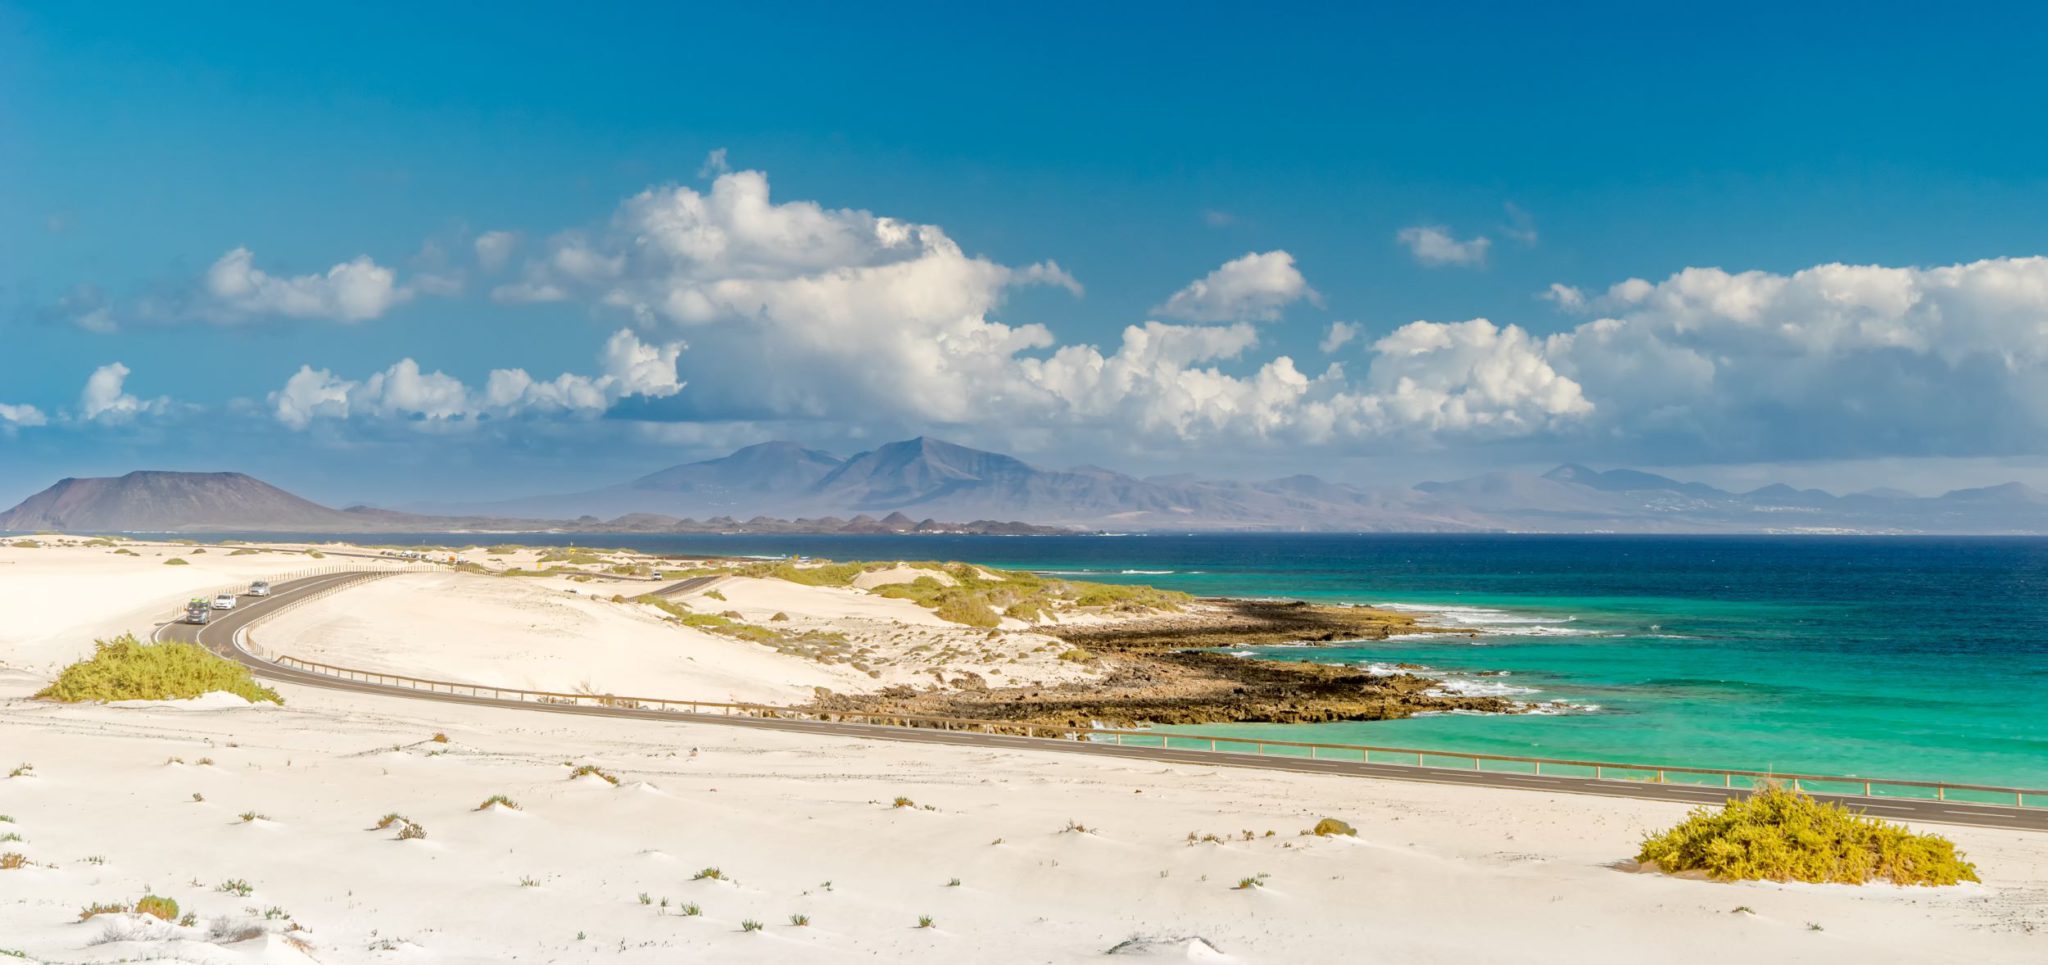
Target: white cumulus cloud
point(106, 399)
point(629, 367)
point(797, 311)
point(21, 416)
point(351, 291)
point(1435, 247)
point(1254, 287)
point(1833, 360)
point(1339, 335)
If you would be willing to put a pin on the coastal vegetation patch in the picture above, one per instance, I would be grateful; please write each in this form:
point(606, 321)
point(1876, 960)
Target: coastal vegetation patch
point(824, 646)
point(128, 669)
point(1779, 834)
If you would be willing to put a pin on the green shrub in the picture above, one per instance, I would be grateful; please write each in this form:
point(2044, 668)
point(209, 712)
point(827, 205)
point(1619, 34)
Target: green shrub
point(177, 561)
point(968, 610)
point(127, 669)
point(1331, 826)
point(498, 800)
point(1777, 834)
point(163, 908)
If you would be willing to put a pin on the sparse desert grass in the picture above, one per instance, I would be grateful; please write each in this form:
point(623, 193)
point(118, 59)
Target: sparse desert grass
point(411, 832)
point(499, 800)
point(100, 908)
point(750, 925)
point(128, 669)
point(800, 920)
point(1331, 826)
point(714, 595)
point(157, 906)
point(388, 820)
point(978, 594)
point(594, 771)
point(177, 561)
point(1255, 881)
point(953, 883)
point(9, 838)
point(439, 738)
point(903, 802)
point(1784, 835)
point(690, 910)
point(125, 551)
point(709, 874)
point(821, 645)
point(927, 921)
point(238, 887)
point(245, 551)
point(1076, 827)
point(250, 817)
point(12, 860)
point(226, 931)
point(198, 798)
point(24, 770)
point(528, 881)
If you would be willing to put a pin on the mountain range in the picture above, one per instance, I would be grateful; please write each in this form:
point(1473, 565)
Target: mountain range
point(931, 477)
point(908, 486)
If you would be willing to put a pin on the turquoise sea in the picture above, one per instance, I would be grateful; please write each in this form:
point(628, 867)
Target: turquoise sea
point(1885, 657)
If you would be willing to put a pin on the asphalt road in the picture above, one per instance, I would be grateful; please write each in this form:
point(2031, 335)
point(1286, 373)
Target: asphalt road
point(220, 636)
point(684, 586)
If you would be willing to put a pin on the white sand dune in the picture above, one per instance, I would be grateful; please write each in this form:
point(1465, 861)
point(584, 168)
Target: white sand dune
point(804, 825)
point(132, 798)
point(58, 599)
point(555, 634)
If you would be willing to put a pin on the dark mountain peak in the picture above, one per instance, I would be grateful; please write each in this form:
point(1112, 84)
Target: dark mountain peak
point(916, 470)
point(767, 467)
point(150, 500)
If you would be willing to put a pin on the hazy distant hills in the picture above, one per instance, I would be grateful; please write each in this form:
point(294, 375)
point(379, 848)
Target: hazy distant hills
point(199, 502)
point(928, 477)
point(910, 486)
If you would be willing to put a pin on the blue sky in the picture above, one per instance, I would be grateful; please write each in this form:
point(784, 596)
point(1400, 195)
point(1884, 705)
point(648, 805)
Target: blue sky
point(1347, 161)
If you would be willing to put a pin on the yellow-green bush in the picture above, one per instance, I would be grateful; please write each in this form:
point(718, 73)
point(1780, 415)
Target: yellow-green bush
point(128, 669)
point(1784, 835)
point(161, 907)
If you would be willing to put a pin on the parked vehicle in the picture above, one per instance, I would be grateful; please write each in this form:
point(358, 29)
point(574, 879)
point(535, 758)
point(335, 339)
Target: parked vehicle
point(197, 612)
point(225, 601)
point(259, 588)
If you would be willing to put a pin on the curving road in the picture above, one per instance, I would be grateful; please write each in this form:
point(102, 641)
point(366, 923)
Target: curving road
point(223, 635)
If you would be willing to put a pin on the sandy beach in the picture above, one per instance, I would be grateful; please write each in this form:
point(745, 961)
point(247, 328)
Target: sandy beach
point(258, 820)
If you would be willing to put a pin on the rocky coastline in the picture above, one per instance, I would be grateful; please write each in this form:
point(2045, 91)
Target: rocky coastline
point(1169, 668)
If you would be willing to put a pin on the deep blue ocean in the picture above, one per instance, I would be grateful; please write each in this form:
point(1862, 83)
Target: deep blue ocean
point(1886, 657)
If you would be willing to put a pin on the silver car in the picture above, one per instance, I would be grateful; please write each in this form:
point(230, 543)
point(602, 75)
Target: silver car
point(259, 588)
point(225, 601)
